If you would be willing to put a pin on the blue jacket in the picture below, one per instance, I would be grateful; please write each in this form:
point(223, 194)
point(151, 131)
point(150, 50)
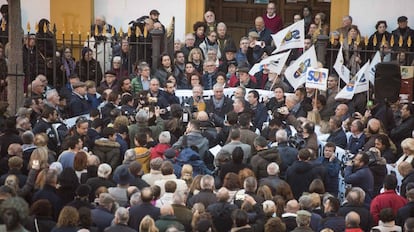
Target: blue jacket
point(339, 138)
point(363, 178)
point(260, 116)
point(356, 144)
point(331, 174)
point(78, 106)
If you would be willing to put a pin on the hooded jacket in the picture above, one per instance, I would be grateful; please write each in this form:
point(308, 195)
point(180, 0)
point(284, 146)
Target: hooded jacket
point(299, 176)
point(108, 152)
point(260, 161)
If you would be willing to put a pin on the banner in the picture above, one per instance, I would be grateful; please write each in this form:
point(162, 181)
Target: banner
point(373, 67)
point(362, 83)
point(292, 36)
point(274, 63)
point(340, 68)
point(184, 94)
point(317, 78)
point(296, 72)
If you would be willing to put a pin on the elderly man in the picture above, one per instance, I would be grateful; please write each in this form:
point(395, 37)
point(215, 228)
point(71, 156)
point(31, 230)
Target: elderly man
point(272, 21)
point(188, 45)
point(120, 221)
point(223, 39)
point(218, 105)
point(264, 33)
point(206, 195)
point(78, 104)
point(245, 79)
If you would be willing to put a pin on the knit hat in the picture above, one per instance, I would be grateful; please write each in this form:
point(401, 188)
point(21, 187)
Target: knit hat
point(170, 153)
point(122, 175)
point(85, 50)
point(83, 190)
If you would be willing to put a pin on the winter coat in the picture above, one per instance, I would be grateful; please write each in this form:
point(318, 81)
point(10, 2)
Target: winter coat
point(260, 161)
point(108, 152)
point(158, 150)
point(363, 178)
point(299, 176)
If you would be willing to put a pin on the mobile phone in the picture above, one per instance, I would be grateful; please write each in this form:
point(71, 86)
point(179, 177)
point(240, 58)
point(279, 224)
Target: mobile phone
point(185, 117)
point(258, 43)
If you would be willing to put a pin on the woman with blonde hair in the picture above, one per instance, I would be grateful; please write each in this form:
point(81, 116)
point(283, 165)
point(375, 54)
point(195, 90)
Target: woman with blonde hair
point(41, 140)
point(41, 154)
point(147, 225)
point(187, 174)
point(68, 220)
point(407, 146)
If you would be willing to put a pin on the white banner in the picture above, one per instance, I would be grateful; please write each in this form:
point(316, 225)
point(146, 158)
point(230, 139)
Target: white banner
point(296, 72)
point(290, 37)
point(340, 68)
point(362, 83)
point(317, 78)
point(373, 67)
point(184, 94)
point(274, 63)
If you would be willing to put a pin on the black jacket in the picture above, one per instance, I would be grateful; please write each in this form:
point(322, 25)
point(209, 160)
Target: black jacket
point(299, 176)
point(221, 213)
point(260, 161)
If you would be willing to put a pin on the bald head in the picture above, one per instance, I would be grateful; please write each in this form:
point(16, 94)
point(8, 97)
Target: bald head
point(292, 206)
point(374, 125)
point(352, 220)
point(341, 110)
point(146, 194)
point(167, 210)
point(202, 116)
point(15, 149)
point(259, 24)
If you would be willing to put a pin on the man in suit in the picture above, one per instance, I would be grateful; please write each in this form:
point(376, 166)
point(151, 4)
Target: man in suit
point(120, 221)
point(138, 212)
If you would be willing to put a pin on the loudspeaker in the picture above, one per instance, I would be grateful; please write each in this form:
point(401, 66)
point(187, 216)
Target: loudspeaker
point(387, 82)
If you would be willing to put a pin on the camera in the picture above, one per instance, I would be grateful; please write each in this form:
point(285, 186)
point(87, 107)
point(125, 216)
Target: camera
point(258, 43)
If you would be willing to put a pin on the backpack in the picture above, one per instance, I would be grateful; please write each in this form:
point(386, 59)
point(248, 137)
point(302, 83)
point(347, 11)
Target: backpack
point(188, 155)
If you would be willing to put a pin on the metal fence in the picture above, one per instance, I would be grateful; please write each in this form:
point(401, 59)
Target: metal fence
point(45, 52)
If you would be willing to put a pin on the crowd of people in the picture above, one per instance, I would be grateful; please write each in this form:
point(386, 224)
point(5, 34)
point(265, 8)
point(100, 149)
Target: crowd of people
point(113, 148)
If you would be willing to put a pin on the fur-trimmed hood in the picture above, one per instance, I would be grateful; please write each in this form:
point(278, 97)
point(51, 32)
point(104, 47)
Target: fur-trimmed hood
point(103, 142)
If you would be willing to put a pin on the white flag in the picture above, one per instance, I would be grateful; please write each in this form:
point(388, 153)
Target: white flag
point(317, 78)
point(373, 67)
point(296, 72)
point(362, 83)
point(290, 37)
point(274, 63)
point(340, 68)
point(347, 92)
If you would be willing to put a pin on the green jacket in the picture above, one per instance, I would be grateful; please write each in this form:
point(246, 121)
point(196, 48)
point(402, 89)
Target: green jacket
point(155, 129)
point(136, 83)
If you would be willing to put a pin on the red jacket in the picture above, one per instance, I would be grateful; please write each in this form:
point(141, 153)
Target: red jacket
point(387, 199)
point(158, 150)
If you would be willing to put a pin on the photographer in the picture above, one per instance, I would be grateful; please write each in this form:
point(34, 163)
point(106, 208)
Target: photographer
point(358, 174)
point(142, 122)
